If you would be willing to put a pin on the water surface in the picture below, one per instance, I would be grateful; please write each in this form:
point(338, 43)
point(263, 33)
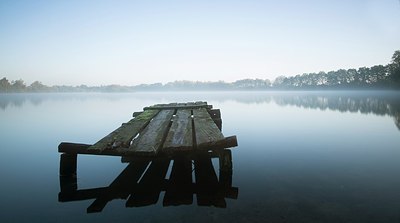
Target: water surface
point(302, 156)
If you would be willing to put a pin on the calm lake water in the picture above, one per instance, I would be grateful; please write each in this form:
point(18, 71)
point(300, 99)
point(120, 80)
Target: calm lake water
point(302, 156)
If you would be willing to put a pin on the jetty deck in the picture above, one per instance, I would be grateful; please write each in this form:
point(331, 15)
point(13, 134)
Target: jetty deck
point(162, 130)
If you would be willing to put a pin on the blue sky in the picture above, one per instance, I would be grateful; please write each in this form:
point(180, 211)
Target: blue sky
point(133, 42)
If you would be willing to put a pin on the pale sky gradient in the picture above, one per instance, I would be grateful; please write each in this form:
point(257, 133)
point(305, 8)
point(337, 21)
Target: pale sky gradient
point(133, 42)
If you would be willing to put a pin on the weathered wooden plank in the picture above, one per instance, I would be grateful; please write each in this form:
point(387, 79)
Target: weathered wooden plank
point(69, 147)
point(128, 155)
point(227, 142)
point(179, 189)
point(150, 186)
point(206, 132)
point(188, 105)
point(122, 136)
point(120, 187)
point(152, 137)
point(180, 135)
point(77, 148)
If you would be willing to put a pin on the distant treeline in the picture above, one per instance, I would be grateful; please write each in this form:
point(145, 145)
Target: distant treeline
point(376, 77)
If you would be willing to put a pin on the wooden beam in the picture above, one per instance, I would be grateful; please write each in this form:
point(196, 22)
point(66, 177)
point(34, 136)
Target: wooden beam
point(224, 143)
point(68, 147)
point(78, 148)
point(128, 155)
point(189, 105)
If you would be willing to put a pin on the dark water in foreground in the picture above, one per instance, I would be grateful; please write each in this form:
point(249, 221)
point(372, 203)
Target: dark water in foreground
point(302, 156)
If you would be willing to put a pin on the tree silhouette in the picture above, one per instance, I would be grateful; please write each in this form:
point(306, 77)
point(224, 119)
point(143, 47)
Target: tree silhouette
point(18, 86)
point(5, 85)
point(394, 67)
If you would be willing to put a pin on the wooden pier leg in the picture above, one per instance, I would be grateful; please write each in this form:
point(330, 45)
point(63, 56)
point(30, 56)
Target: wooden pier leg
point(68, 163)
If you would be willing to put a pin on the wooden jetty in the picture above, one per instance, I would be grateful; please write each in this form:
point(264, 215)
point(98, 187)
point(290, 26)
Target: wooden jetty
point(189, 134)
point(161, 130)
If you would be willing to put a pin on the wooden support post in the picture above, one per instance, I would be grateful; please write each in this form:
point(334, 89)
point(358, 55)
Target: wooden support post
point(215, 114)
point(68, 164)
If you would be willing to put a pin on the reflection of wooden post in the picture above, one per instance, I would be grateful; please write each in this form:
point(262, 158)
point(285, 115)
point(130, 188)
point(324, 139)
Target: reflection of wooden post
point(68, 165)
point(225, 160)
point(150, 185)
point(179, 189)
point(68, 185)
point(121, 187)
point(225, 168)
point(207, 183)
point(68, 181)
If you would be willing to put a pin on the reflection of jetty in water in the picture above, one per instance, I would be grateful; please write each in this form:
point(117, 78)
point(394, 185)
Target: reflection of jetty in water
point(142, 181)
